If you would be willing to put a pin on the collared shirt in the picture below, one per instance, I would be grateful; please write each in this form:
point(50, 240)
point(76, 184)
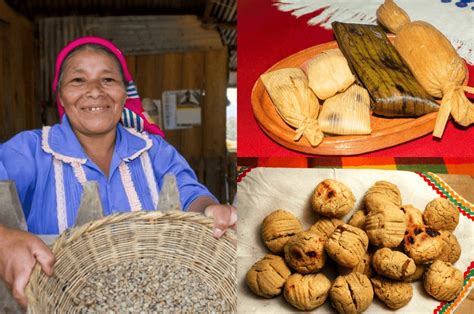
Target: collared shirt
point(49, 167)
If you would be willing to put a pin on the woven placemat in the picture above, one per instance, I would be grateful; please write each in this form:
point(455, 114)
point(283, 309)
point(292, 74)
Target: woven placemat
point(182, 238)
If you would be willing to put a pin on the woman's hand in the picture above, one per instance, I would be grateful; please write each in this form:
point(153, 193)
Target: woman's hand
point(19, 252)
point(225, 216)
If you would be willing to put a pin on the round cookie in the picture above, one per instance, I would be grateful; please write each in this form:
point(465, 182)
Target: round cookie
point(393, 264)
point(422, 244)
point(277, 228)
point(363, 267)
point(382, 192)
point(358, 219)
point(413, 215)
point(450, 250)
point(420, 270)
point(386, 225)
point(443, 281)
point(267, 276)
point(325, 226)
point(347, 245)
point(305, 252)
point(332, 199)
point(352, 293)
point(306, 292)
point(395, 294)
point(441, 214)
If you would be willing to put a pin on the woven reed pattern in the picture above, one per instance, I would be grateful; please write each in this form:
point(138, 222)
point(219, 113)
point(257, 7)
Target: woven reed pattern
point(178, 237)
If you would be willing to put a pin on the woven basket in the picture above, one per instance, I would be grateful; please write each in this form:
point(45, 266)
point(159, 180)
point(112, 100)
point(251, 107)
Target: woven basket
point(182, 238)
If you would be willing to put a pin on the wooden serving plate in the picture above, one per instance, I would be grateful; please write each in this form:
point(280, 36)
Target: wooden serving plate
point(386, 132)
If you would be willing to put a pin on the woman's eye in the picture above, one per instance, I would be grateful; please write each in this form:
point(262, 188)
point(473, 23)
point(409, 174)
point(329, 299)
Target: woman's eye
point(78, 80)
point(108, 80)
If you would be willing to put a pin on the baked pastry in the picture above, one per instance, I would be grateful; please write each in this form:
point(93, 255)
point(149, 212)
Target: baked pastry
point(306, 292)
point(443, 281)
point(395, 294)
point(420, 270)
point(332, 199)
point(352, 293)
point(325, 226)
point(413, 215)
point(422, 244)
point(450, 250)
point(267, 276)
point(358, 219)
point(305, 252)
point(386, 225)
point(347, 245)
point(382, 192)
point(441, 214)
point(363, 267)
point(393, 264)
point(277, 228)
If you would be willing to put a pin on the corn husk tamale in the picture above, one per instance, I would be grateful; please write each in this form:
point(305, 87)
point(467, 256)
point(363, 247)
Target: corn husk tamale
point(346, 113)
point(434, 62)
point(328, 73)
point(376, 63)
point(295, 102)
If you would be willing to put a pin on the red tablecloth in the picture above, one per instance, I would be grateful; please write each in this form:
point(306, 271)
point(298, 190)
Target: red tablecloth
point(265, 36)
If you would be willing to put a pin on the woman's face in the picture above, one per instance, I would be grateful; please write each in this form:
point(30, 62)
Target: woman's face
point(92, 92)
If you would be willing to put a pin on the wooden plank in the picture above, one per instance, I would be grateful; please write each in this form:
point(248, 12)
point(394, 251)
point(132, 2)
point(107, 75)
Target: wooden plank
point(214, 109)
point(18, 68)
point(192, 78)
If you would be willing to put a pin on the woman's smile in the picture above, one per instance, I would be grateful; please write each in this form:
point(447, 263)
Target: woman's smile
point(98, 109)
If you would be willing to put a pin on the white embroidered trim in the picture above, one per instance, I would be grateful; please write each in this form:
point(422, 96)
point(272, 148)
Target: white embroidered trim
point(60, 195)
point(79, 172)
point(129, 188)
point(150, 178)
point(144, 137)
point(45, 146)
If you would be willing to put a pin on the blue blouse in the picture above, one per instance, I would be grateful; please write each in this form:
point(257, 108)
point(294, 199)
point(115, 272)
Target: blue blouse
point(49, 165)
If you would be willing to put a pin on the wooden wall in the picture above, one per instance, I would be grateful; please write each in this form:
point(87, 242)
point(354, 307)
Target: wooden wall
point(202, 146)
point(19, 105)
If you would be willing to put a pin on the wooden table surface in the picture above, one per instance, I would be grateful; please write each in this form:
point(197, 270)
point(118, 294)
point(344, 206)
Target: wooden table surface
point(462, 184)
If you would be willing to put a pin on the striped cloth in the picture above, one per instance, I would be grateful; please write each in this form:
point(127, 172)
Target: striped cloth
point(448, 165)
point(129, 118)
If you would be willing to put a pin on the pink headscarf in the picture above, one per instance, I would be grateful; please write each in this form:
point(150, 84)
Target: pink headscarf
point(132, 115)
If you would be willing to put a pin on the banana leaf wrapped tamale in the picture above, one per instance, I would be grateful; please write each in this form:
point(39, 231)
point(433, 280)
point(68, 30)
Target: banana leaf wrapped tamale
point(378, 66)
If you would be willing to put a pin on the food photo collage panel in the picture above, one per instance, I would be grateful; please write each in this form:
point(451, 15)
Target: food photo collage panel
point(355, 156)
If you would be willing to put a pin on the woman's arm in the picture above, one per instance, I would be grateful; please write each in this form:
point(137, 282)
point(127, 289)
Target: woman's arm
point(194, 196)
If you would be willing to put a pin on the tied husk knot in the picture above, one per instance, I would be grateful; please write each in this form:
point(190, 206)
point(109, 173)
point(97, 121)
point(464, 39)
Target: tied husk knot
point(311, 131)
point(462, 109)
point(455, 102)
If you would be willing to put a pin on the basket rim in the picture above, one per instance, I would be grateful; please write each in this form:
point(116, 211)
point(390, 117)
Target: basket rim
point(75, 233)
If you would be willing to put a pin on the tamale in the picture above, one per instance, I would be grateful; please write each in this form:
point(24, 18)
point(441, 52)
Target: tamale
point(328, 73)
point(346, 113)
point(378, 66)
point(295, 102)
point(440, 71)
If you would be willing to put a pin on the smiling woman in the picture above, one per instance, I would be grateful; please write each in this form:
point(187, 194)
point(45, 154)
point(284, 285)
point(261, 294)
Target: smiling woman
point(92, 91)
point(104, 137)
